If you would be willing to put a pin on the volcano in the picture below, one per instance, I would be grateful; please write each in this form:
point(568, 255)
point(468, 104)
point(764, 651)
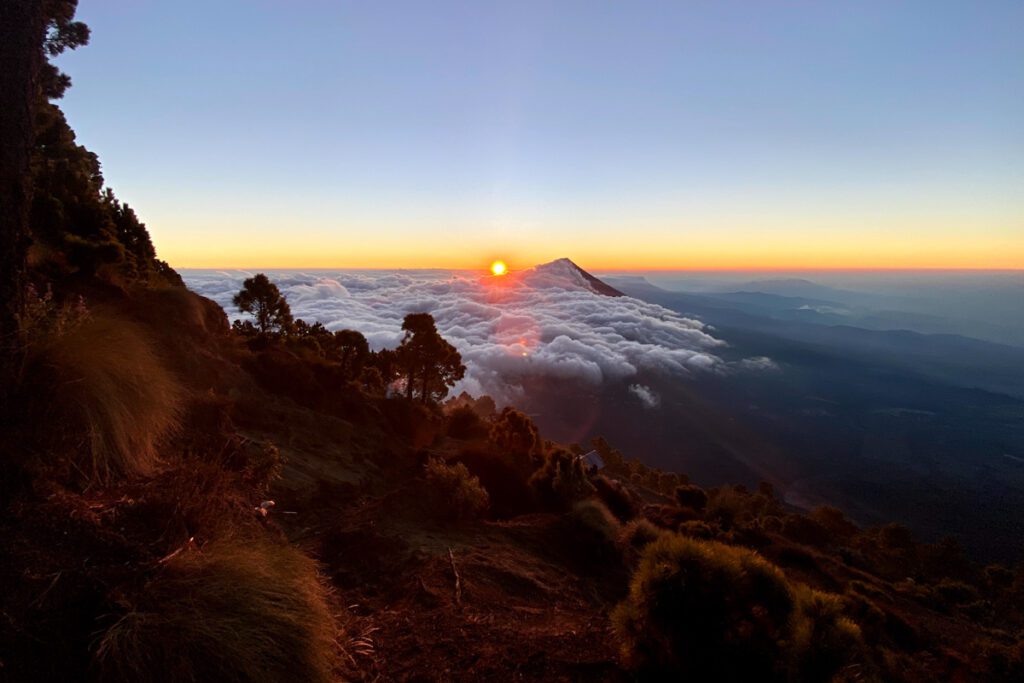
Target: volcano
point(566, 269)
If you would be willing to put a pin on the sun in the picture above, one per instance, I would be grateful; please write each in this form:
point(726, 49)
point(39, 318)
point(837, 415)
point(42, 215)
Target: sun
point(499, 268)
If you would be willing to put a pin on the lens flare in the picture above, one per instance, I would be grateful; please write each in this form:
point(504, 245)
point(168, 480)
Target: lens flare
point(499, 268)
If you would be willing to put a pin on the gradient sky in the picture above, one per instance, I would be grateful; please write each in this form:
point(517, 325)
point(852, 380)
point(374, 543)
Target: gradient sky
point(624, 135)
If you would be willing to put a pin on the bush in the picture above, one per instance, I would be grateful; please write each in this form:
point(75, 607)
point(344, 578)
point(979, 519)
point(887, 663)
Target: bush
point(232, 612)
point(456, 494)
point(616, 496)
point(833, 520)
point(507, 487)
point(464, 423)
point(956, 592)
point(703, 611)
point(823, 639)
point(728, 505)
point(263, 464)
point(700, 610)
point(637, 535)
point(594, 519)
point(102, 393)
point(693, 497)
point(590, 536)
point(514, 433)
point(698, 529)
point(806, 530)
point(561, 481)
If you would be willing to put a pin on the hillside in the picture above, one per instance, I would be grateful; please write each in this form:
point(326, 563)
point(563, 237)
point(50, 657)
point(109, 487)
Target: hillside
point(524, 590)
point(188, 499)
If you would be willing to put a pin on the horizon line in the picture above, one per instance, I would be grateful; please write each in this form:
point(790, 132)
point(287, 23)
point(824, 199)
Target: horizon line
point(617, 269)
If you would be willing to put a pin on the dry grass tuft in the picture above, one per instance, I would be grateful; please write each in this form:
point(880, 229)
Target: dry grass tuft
point(102, 391)
point(231, 612)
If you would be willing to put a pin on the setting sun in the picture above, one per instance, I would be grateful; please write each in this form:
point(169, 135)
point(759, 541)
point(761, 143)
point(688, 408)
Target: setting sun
point(499, 268)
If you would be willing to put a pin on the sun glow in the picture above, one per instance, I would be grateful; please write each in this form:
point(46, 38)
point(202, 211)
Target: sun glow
point(499, 268)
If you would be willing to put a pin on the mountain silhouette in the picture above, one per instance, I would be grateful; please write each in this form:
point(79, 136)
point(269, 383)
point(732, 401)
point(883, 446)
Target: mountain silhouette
point(566, 269)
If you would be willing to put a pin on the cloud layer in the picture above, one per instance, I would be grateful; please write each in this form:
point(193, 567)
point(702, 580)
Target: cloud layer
point(543, 321)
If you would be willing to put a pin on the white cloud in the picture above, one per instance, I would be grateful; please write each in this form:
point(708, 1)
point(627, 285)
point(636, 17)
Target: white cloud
point(647, 396)
point(543, 321)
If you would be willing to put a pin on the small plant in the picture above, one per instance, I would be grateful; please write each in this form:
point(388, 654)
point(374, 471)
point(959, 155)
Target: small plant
point(231, 612)
point(514, 433)
point(704, 611)
point(263, 465)
point(463, 423)
point(823, 639)
point(637, 535)
point(561, 481)
point(616, 496)
point(701, 610)
point(456, 493)
point(690, 496)
point(101, 394)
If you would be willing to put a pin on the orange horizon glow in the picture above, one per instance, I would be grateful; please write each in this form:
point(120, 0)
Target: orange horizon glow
point(1009, 260)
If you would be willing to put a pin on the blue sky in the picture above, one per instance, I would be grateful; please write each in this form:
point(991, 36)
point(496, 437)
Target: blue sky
point(681, 134)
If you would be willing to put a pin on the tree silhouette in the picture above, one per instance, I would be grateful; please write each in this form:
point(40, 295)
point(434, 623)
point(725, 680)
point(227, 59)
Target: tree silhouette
point(351, 350)
point(261, 297)
point(515, 434)
point(429, 364)
point(30, 30)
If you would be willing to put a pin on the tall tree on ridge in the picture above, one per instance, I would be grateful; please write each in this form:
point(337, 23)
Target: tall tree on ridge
point(263, 299)
point(429, 363)
point(30, 30)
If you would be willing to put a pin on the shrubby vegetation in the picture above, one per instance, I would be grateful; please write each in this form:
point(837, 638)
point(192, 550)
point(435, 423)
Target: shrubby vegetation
point(454, 492)
point(710, 611)
point(100, 391)
point(140, 470)
point(231, 612)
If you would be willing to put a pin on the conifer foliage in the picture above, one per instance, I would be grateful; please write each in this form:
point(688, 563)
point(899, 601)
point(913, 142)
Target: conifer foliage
point(261, 297)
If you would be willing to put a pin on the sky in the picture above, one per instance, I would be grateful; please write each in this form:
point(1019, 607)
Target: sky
point(649, 135)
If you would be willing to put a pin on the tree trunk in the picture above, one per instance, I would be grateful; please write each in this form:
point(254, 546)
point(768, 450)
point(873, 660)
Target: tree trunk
point(22, 32)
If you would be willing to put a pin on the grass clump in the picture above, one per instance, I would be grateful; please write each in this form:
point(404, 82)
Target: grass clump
point(102, 393)
point(231, 612)
point(456, 493)
point(636, 535)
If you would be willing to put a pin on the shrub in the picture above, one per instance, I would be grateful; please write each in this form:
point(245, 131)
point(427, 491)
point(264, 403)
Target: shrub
point(593, 518)
point(693, 497)
point(703, 611)
point(616, 496)
point(637, 535)
point(700, 610)
point(998, 577)
point(835, 522)
point(262, 464)
point(728, 506)
point(956, 592)
point(590, 534)
point(102, 392)
point(232, 612)
point(806, 530)
point(456, 494)
point(463, 423)
point(514, 433)
point(823, 639)
point(697, 529)
point(1006, 662)
point(507, 487)
point(561, 480)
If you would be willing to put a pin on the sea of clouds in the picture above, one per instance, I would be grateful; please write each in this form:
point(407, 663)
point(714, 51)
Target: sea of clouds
point(542, 321)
